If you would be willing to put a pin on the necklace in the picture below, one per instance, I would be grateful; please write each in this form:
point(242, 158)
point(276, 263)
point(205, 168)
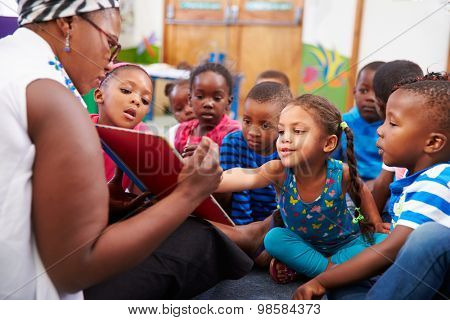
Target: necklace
point(68, 83)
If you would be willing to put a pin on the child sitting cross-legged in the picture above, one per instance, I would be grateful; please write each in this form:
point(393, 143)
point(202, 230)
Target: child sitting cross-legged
point(415, 135)
point(319, 230)
point(254, 146)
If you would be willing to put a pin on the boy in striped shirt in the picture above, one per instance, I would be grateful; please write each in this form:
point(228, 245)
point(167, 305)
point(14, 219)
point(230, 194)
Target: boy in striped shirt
point(415, 135)
point(252, 147)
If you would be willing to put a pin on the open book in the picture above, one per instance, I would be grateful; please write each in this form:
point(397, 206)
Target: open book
point(153, 165)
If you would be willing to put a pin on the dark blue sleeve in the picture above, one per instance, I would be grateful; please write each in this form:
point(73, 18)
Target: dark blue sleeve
point(229, 153)
point(231, 156)
point(339, 152)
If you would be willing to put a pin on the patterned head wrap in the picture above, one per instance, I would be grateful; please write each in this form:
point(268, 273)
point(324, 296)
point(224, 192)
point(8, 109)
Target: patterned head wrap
point(45, 10)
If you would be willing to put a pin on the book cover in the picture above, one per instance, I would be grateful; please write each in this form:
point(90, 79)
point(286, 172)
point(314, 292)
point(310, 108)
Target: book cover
point(153, 165)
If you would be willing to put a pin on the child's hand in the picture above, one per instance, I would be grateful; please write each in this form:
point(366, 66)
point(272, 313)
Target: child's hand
point(189, 150)
point(383, 227)
point(309, 291)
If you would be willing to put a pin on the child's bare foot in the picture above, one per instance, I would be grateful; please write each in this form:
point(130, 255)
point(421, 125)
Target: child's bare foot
point(281, 273)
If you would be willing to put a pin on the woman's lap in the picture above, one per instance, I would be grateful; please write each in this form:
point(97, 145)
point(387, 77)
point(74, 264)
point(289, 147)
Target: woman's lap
point(193, 259)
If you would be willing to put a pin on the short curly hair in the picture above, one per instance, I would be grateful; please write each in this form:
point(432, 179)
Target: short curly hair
point(272, 92)
point(435, 89)
point(216, 68)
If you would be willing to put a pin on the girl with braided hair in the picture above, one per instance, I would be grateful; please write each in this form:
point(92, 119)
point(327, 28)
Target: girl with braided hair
point(320, 230)
point(415, 136)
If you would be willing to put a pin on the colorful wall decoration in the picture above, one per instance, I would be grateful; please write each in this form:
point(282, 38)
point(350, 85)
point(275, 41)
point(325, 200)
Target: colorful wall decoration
point(324, 72)
point(328, 27)
point(141, 37)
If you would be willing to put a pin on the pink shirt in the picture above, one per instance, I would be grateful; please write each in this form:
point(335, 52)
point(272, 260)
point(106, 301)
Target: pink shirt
point(184, 135)
point(110, 166)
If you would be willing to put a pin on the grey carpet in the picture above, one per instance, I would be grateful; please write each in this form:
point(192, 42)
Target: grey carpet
point(257, 285)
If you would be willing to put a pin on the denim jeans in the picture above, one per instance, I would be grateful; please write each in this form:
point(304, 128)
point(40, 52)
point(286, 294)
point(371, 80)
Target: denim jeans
point(420, 271)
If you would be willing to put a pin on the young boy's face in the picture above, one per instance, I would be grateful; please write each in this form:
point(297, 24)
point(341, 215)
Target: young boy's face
point(125, 99)
point(179, 103)
point(404, 133)
point(365, 97)
point(259, 126)
point(209, 98)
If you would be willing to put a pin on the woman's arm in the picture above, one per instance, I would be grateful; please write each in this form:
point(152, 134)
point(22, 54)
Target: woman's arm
point(239, 179)
point(70, 196)
point(368, 263)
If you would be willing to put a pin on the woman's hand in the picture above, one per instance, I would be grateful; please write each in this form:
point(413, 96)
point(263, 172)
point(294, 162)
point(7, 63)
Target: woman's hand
point(312, 290)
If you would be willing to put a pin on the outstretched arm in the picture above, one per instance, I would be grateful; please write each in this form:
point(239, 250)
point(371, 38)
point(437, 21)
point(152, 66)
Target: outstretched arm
point(239, 179)
point(368, 263)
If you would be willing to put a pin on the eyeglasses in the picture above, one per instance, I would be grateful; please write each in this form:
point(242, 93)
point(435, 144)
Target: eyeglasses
point(114, 46)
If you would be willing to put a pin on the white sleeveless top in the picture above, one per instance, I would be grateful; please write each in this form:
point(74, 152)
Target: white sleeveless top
point(24, 57)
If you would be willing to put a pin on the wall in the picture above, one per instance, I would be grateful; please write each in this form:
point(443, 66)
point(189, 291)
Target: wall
point(8, 8)
point(140, 18)
point(327, 48)
point(8, 17)
point(427, 43)
point(142, 30)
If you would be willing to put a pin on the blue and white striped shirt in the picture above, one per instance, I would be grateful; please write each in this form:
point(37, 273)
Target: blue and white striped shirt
point(249, 205)
point(422, 197)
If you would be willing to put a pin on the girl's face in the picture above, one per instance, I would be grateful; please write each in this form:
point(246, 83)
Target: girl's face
point(300, 138)
point(179, 103)
point(125, 99)
point(209, 97)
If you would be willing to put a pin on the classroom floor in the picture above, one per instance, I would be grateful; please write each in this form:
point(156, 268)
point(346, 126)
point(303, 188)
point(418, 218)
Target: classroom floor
point(255, 285)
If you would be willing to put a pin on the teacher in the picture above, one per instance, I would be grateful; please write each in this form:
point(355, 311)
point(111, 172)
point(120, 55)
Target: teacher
point(54, 237)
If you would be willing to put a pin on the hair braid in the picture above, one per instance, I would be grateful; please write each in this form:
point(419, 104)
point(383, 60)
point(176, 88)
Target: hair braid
point(355, 187)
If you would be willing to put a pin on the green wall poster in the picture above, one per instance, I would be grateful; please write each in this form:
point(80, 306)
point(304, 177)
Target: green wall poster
point(324, 72)
point(327, 36)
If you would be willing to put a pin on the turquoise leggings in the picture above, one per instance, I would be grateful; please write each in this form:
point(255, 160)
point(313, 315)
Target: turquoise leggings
point(286, 246)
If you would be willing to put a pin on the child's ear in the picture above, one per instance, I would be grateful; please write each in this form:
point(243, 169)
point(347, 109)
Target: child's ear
point(435, 142)
point(230, 100)
point(98, 96)
point(330, 143)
